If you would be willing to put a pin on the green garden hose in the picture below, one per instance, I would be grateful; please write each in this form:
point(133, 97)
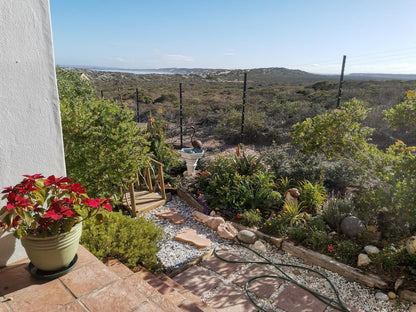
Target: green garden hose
point(335, 304)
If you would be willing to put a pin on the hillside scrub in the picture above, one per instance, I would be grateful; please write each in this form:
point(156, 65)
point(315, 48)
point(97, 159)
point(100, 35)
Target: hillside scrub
point(389, 185)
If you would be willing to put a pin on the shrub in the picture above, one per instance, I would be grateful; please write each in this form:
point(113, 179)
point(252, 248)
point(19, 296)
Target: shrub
point(347, 252)
point(318, 240)
point(103, 147)
point(389, 258)
point(297, 234)
point(338, 175)
point(251, 217)
point(293, 214)
point(295, 167)
point(224, 185)
point(274, 225)
point(161, 151)
point(312, 195)
point(336, 210)
point(317, 223)
point(132, 241)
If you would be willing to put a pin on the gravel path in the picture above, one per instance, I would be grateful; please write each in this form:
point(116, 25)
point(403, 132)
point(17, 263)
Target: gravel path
point(174, 254)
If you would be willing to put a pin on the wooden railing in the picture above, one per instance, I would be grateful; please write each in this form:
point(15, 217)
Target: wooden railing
point(151, 179)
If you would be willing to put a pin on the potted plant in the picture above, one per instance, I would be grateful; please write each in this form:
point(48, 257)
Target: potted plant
point(46, 214)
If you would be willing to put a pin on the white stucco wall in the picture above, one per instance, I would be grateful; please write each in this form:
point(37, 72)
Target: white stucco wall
point(30, 125)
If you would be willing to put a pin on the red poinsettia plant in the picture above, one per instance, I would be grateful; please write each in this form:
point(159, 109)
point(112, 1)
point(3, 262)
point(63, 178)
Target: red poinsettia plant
point(47, 206)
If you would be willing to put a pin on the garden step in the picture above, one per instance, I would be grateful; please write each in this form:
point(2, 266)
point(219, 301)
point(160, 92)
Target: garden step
point(173, 291)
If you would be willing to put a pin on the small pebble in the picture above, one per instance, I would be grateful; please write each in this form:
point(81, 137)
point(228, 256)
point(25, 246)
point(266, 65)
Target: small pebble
point(381, 296)
point(391, 295)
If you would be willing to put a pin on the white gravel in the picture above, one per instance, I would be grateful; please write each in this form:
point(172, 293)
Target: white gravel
point(174, 254)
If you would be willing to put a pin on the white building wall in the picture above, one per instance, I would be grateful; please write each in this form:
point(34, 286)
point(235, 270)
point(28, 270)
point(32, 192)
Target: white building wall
point(30, 124)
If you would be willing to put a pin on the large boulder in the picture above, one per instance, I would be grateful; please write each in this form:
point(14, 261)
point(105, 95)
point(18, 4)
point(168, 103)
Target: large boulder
point(226, 230)
point(352, 226)
point(247, 236)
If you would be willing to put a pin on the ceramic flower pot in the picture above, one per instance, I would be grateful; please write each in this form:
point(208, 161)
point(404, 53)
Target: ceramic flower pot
point(53, 253)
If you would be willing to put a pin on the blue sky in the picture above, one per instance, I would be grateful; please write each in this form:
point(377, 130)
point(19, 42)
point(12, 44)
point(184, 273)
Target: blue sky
point(378, 36)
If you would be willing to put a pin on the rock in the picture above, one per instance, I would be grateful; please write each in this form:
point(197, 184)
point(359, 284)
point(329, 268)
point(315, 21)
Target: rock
point(407, 295)
point(411, 245)
point(391, 295)
point(247, 236)
point(352, 226)
point(258, 245)
point(363, 260)
point(369, 250)
point(200, 217)
point(212, 213)
point(296, 272)
point(398, 283)
point(227, 230)
point(171, 215)
point(381, 296)
point(188, 235)
point(214, 222)
point(412, 308)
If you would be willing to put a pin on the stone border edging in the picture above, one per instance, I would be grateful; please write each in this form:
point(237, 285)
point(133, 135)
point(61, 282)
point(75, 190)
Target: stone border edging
point(312, 257)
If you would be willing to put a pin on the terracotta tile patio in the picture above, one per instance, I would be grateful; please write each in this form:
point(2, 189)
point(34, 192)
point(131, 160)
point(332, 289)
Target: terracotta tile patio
point(96, 287)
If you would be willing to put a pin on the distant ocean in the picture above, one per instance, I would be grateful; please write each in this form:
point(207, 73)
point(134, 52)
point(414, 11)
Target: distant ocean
point(131, 71)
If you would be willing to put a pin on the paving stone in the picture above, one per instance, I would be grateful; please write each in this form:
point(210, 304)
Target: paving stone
point(40, 298)
point(295, 299)
point(118, 268)
point(96, 273)
point(73, 307)
point(3, 307)
point(222, 267)
point(231, 300)
point(171, 215)
point(263, 287)
point(197, 280)
point(15, 279)
point(188, 235)
point(122, 296)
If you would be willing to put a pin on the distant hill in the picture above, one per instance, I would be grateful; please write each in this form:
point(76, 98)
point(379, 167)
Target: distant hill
point(364, 76)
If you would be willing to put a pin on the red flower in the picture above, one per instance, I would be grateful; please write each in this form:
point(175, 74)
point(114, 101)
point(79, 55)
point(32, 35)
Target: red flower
point(34, 177)
point(239, 215)
point(331, 248)
point(58, 181)
point(198, 192)
point(7, 190)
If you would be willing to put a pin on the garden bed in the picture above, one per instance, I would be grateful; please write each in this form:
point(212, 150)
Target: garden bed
point(313, 257)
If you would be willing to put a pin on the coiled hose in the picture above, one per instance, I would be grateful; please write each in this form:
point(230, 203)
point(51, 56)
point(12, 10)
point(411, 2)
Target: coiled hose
point(335, 304)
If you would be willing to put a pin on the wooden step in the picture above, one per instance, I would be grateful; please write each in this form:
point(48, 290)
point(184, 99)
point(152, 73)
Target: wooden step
point(145, 201)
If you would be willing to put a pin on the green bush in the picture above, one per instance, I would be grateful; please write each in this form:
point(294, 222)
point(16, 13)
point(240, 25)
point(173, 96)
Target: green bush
point(338, 175)
point(132, 241)
point(294, 166)
point(251, 218)
point(274, 225)
point(161, 151)
point(312, 195)
point(235, 184)
point(335, 210)
point(297, 234)
point(317, 223)
point(103, 147)
point(318, 240)
point(347, 252)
